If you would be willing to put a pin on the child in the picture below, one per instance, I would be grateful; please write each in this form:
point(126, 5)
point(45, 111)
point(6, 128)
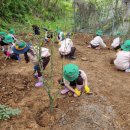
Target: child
point(6, 42)
point(116, 44)
point(122, 61)
point(36, 29)
point(67, 49)
point(2, 35)
point(10, 54)
point(32, 54)
point(74, 80)
point(97, 42)
point(48, 35)
point(60, 36)
point(11, 33)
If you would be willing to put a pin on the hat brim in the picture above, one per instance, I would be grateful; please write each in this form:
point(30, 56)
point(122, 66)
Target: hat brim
point(123, 47)
point(99, 34)
point(73, 78)
point(8, 41)
point(21, 51)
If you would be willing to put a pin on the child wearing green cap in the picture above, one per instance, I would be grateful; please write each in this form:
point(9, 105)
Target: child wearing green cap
point(60, 34)
point(2, 35)
point(116, 44)
point(12, 33)
point(6, 44)
point(74, 80)
point(97, 42)
point(48, 35)
point(122, 61)
point(67, 48)
point(31, 53)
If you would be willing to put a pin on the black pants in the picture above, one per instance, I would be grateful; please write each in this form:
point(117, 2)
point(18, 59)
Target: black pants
point(118, 47)
point(13, 56)
point(71, 54)
point(3, 44)
point(92, 46)
point(78, 81)
point(44, 63)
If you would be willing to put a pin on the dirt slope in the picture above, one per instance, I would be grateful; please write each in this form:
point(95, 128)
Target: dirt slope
point(107, 109)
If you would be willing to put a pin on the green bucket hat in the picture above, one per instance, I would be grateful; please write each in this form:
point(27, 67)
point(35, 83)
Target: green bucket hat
point(8, 39)
point(70, 72)
point(11, 31)
point(126, 46)
point(118, 34)
point(99, 32)
point(2, 34)
point(58, 30)
point(21, 47)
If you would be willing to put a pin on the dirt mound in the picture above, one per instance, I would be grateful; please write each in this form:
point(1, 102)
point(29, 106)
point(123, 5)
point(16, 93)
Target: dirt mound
point(14, 87)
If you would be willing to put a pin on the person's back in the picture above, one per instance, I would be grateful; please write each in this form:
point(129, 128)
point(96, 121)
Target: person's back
point(116, 42)
point(122, 60)
point(66, 45)
point(96, 41)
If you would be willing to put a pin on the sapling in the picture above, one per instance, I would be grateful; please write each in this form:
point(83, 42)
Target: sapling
point(47, 84)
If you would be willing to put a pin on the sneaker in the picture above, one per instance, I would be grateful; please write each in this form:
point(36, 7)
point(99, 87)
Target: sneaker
point(64, 91)
point(39, 84)
point(89, 46)
point(97, 48)
point(127, 70)
point(72, 57)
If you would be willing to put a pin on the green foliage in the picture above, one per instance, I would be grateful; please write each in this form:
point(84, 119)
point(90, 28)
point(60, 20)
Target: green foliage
point(7, 112)
point(40, 12)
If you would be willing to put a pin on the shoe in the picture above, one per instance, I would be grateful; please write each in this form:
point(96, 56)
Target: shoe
point(64, 91)
point(127, 70)
point(72, 57)
point(89, 46)
point(97, 48)
point(39, 84)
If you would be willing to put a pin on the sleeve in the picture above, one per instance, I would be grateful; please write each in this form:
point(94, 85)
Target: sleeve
point(71, 43)
point(129, 57)
point(83, 74)
point(102, 43)
point(67, 83)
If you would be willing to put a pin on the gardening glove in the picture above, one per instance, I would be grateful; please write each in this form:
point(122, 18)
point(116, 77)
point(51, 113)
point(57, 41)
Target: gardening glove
point(87, 89)
point(78, 93)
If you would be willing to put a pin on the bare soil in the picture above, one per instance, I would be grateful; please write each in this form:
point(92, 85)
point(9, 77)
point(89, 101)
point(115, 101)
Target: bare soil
point(108, 108)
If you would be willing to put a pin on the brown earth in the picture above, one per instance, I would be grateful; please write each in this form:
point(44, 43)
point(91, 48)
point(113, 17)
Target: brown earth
point(107, 109)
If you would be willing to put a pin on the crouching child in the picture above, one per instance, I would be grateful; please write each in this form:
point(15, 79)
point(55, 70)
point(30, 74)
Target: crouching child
point(74, 80)
point(97, 42)
point(67, 48)
point(31, 53)
point(122, 61)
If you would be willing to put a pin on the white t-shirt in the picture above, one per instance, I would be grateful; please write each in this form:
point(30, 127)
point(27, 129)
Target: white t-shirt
point(98, 41)
point(116, 42)
point(34, 58)
point(65, 47)
point(122, 60)
point(82, 74)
